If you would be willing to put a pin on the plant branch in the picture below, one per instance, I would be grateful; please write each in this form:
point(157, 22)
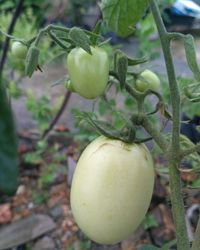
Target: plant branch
point(58, 115)
point(173, 85)
point(10, 30)
point(48, 29)
point(196, 242)
point(57, 40)
point(173, 157)
point(157, 136)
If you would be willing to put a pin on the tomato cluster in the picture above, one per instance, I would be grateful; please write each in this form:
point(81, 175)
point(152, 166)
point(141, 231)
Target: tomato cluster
point(113, 182)
point(106, 197)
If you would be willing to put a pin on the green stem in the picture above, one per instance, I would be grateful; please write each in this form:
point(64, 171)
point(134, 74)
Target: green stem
point(173, 157)
point(173, 85)
point(57, 40)
point(196, 244)
point(159, 138)
point(48, 29)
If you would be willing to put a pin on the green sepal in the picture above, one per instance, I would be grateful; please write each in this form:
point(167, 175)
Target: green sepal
point(130, 133)
point(32, 58)
point(80, 39)
point(136, 61)
point(96, 31)
point(191, 56)
point(68, 85)
point(121, 68)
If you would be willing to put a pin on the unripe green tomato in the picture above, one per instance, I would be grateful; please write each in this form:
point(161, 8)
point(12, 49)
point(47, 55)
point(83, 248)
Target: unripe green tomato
point(19, 50)
point(112, 189)
point(148, 80)
point(88, 73)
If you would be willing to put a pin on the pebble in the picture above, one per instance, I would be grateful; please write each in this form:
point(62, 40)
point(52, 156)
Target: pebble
point(46, 243)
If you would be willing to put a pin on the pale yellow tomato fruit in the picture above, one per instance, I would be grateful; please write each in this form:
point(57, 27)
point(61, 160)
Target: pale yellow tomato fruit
point(112, 189)
point(88, 73)
point(148, 80)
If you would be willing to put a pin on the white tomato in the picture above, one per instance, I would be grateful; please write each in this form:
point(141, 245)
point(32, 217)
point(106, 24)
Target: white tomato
point(112, 189)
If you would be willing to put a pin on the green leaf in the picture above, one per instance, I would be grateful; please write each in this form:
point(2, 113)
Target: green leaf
point(195, 184)
point(149, 247)
point(149, 221)
point(122, 15)
point(79, 37)
point(8, 147)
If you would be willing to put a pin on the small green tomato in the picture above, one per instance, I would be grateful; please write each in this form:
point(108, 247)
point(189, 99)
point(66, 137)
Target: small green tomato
point(19, 50)
point(147, 80)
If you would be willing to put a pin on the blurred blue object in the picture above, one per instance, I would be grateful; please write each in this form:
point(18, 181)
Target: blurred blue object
point(186, 8)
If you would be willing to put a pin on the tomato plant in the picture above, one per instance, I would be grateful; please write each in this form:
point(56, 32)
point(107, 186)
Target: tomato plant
point(88, 73)
point(112, 189)
point(19, 50)
point(147, 80)
point(113, 182)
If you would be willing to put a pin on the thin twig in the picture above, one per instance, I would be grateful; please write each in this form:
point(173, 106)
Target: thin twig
point(58, 115)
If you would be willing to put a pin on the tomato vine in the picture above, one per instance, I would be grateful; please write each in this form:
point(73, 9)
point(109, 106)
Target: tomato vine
point(87, 43)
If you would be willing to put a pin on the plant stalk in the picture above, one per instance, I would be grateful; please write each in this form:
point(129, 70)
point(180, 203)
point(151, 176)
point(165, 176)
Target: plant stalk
point(156, 135)
point(173, 157)
point(196, 242)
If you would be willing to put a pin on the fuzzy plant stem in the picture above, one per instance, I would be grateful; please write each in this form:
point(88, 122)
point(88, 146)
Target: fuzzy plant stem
point(196, 242)
point(173, 156)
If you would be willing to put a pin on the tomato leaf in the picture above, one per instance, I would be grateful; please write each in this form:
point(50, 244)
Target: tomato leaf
point(122, 15)
point(8, 147)
point(79, 37)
